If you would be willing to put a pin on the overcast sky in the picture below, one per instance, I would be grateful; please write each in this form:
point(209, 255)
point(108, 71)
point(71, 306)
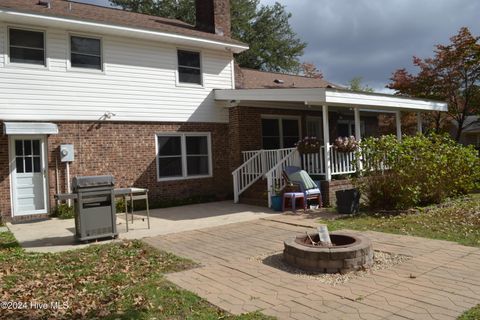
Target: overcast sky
point(372, 38)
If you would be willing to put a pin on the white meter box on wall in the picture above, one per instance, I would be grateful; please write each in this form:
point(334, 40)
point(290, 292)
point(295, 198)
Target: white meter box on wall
point(66, 152)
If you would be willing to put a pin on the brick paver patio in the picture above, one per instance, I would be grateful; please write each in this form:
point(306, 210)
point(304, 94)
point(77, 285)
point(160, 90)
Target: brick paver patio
point(440, 281)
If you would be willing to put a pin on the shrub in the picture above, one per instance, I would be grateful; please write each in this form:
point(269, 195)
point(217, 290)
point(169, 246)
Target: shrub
point(63, 211)
point(418, 170)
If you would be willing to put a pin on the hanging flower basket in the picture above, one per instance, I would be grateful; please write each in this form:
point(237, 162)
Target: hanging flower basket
point(345, 144)
point(308, 145)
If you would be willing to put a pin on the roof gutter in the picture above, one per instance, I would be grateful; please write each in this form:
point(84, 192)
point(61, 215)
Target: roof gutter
point(170, 37)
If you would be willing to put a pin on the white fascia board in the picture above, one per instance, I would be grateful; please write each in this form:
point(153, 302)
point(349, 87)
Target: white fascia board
point(80, 25)
point(332, 97)
point(286, 95)
point(383, 101)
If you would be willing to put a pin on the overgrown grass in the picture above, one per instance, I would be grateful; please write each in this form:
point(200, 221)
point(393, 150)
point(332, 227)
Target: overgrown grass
point(122, 280)
point(456, 220)
point(472, 314)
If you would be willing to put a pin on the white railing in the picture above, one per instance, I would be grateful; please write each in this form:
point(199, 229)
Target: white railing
point(274, 175)
point(246, 175)
point(270, 164)
point(314, 163)
point(255, 164)
point(340, 162)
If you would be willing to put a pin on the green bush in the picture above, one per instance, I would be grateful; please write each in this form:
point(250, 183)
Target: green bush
point(63, 211)
point(418, 170)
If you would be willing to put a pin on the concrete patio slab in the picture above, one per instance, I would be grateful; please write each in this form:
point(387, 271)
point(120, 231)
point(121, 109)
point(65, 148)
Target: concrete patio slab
point(53, 235)
point(439, 281)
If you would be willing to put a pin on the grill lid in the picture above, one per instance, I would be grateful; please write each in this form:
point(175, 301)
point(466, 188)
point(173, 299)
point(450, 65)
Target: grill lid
point(92, 181)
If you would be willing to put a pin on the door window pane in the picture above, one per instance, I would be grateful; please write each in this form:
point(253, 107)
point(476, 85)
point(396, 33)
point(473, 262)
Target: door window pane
point(27, 145)
point(19, 164)
point(18, 147)
point(28, 164)
point(36, 147)
point(36, 164)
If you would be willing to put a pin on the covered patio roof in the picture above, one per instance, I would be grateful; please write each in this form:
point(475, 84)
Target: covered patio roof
point(330, 97)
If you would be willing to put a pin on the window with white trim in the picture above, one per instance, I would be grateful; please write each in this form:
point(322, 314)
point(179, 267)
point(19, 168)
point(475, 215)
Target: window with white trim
point(26, 46)
point(189, 67)
point(85, 52)
point(280, 132)
point(183, 155)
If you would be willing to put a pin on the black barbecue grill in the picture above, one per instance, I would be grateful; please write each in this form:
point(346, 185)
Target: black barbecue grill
point(95, 215)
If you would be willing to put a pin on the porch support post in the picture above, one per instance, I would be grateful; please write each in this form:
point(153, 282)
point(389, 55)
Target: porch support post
point(358, 132)
point(326, 143)
point(419, 122)
point(356, 114)
point(398, 122)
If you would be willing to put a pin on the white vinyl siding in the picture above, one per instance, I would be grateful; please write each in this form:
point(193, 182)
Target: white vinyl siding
point(138, 83)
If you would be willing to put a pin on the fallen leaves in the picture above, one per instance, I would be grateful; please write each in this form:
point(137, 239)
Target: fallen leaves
point(94, 282)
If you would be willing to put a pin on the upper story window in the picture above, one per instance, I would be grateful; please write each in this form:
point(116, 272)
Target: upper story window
point(85, 53)
point(189, 68)
point(27, 46)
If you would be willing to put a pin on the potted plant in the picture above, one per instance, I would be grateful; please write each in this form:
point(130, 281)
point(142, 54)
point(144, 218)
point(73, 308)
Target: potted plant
point(345, 144)
point(276, 197)
point(308, 145)
point(348, 201)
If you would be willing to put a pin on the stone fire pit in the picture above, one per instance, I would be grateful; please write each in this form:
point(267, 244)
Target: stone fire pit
point(347, 253)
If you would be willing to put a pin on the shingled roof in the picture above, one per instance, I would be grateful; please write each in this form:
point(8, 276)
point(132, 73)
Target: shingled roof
point(254, 79)
point(112, 16)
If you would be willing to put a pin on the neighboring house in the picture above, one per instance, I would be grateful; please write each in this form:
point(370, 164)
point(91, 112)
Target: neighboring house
point(153, 102)
point(471, 134)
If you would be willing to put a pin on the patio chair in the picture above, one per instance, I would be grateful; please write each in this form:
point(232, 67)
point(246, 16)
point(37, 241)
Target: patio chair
point(297, 176)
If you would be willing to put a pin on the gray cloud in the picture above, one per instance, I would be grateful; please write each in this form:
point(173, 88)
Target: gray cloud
point(372, 38)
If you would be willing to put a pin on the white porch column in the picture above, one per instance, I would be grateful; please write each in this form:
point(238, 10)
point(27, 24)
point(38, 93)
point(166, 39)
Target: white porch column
point(326, 143)
point(419, 122)
point(398, 122)
point(358, 132)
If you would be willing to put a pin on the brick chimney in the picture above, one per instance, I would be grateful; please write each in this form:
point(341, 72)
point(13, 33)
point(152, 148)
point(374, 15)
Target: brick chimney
point(213, 16)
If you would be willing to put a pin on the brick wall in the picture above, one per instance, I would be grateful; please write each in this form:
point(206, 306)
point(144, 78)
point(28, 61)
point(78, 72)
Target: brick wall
point(4, 174)
point(328, 190)
point(127, 151)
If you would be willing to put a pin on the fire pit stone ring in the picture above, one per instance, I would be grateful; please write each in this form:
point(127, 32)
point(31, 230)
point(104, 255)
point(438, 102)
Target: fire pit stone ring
point(349, 253)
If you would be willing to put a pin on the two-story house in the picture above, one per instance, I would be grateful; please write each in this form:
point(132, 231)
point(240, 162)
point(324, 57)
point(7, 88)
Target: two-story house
point(122, 88)
point(157, 103)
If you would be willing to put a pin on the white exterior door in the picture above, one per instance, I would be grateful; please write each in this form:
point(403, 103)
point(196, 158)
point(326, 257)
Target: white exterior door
point(28, 174)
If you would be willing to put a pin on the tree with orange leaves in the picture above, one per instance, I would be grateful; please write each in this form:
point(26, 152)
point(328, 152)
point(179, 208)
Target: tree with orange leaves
point(452, 75)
